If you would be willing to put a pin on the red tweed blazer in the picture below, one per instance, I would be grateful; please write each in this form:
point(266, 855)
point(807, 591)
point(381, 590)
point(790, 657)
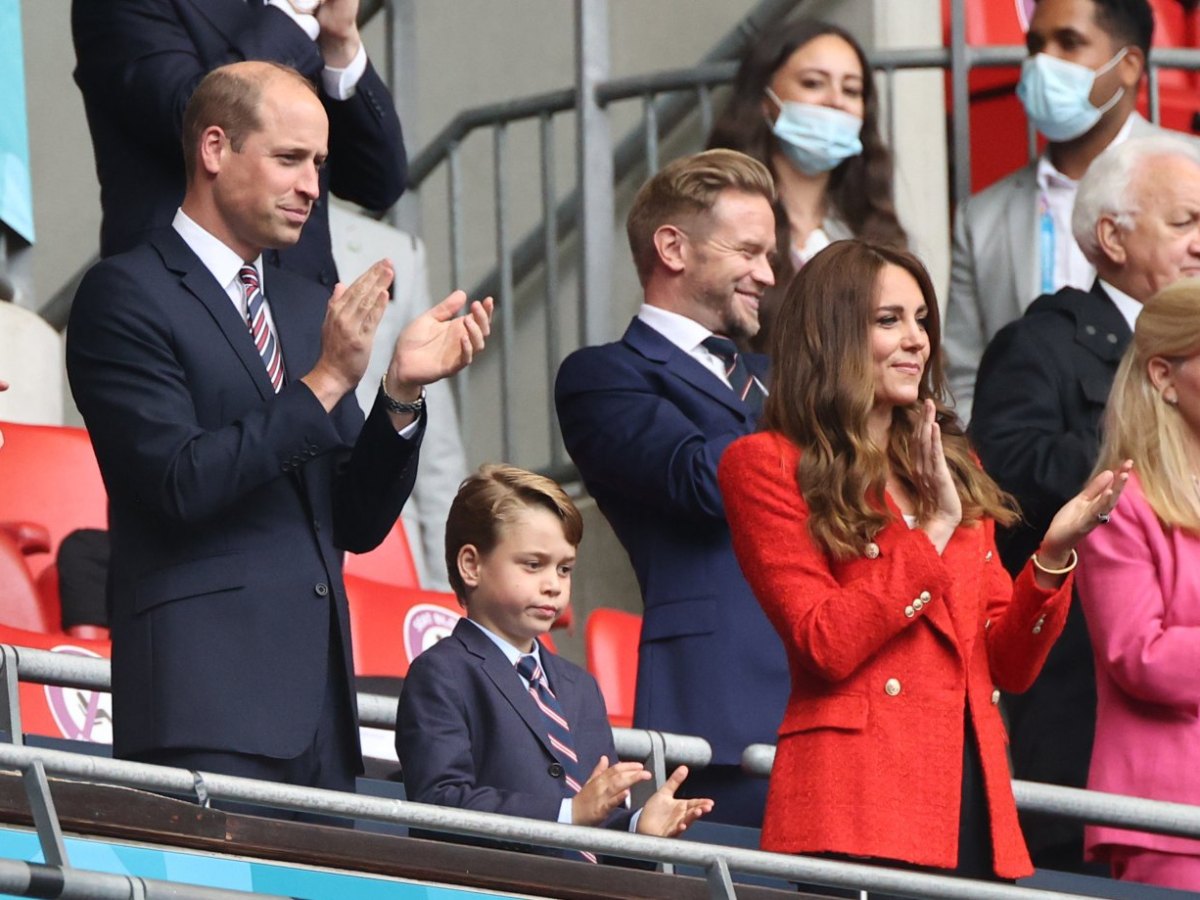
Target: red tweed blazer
point(886, 652)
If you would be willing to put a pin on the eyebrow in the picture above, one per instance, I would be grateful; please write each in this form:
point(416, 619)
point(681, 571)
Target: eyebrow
point(818, 70)
point(897, 308)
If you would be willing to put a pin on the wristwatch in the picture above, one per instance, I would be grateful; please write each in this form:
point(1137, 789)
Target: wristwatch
point(395, 405)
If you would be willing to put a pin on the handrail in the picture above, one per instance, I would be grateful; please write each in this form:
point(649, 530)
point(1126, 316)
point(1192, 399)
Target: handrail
point(374, 710)
point(25, 879)
point(710, 857)
point(1098, 807)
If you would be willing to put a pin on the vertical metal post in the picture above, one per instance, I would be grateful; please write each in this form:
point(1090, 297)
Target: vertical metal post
point(1152, 88)
point(454, 189)
point(595, 172)
point(960, 64)
point(45, 816)
point(720, 884)
point(505, 301)
point(10, 695)
point(890, 99)
point(550, 250)
point(650, 121)
point(400, 22)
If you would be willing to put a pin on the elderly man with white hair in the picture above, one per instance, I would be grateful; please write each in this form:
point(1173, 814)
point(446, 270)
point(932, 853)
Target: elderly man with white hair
point(1042, 387)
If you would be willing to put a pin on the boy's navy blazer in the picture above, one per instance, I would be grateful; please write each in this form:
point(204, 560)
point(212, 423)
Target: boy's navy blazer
point(646, 424)
point(469, 735)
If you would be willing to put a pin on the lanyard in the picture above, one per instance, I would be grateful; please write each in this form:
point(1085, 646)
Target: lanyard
point(1046, 245)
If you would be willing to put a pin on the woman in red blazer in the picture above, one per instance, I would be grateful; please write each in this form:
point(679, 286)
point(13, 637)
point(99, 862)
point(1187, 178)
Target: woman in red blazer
point(1139, 585)
point(864, 525)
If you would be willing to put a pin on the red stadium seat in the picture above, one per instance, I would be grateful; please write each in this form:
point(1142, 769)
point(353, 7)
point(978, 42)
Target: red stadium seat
point(389, 563)
point(611, 638)
point(49, 477)
point(20, 605)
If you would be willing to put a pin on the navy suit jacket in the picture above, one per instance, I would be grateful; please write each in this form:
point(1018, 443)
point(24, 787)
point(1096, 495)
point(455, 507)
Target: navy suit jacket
point(229, 505)
point(646, 424)
point(138, 62)
point(469, 735)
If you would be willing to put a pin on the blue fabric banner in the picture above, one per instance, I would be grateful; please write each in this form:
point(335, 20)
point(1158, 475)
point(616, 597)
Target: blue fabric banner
point(16, 188)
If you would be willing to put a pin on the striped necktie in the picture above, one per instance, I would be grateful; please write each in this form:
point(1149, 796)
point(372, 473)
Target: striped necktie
point(260, 328)
point(558, 731)
point(744, 384)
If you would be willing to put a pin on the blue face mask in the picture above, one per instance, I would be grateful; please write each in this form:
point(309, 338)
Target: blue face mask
point(814, 138)
point(1056, 95)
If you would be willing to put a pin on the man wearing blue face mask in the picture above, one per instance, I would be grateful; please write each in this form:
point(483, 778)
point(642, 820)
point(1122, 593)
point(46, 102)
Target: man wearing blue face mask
point(1013, 241)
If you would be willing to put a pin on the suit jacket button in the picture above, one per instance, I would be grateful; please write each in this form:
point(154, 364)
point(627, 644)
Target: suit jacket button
point(909, 612)
point(926, 596)
point(995, 698)
point(321, 589)
point(892, 687)
point(987, 557)
point(872, 551)
point(918, 604)
point(555, 770)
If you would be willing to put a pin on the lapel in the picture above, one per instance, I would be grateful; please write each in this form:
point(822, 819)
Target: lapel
point(506, 680)
point(197, 281)
point(296, 326)
point(1021, 221)
point(651, 345)
point(1099, 326)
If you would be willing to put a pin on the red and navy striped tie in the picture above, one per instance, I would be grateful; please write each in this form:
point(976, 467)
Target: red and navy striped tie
point(260, 328)
point(743, 382)
point(558, 730)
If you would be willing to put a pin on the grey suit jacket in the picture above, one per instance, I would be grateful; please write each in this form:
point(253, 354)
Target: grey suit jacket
point(994, 270)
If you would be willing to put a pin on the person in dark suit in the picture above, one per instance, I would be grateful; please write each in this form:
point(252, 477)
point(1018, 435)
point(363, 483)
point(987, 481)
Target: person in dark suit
point(472, 728)
point(1042, 388)
point(646, 420)
point(138, 62)
point(238, 465)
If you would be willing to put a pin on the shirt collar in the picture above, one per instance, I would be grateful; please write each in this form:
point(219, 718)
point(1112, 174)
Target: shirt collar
point(217, 256)
point(1129, 308)
point(686, 334)
point(509, 651)
point(1049, 178)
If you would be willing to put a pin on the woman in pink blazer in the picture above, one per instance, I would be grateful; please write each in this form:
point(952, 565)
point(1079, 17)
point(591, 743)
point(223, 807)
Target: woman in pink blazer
point(1139, 584)
point(865, 527)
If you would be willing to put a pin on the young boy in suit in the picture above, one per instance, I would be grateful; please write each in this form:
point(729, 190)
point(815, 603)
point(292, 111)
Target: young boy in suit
point(489, 719)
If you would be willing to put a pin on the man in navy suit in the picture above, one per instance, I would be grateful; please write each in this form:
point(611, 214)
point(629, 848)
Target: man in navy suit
point(237, 475)
point(138, 62)
point(646, 420)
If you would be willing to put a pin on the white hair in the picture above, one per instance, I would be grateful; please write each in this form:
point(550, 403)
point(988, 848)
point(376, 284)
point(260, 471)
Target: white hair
point(1106, 189)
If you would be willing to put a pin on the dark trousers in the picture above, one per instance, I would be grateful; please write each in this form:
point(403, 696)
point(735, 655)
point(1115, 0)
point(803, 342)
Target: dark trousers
point(738, 798)
point(330, 760)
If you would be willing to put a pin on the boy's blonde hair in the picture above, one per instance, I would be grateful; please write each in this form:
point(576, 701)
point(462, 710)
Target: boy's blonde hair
point(489, 499)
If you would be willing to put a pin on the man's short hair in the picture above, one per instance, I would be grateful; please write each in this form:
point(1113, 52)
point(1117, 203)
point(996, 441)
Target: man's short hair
point(1127, 22)
point(1107, 188)
point(229, 97)
point(686, 188)
point(489, 499)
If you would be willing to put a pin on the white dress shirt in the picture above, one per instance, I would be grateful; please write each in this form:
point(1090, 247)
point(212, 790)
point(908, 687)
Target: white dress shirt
point(338, 83)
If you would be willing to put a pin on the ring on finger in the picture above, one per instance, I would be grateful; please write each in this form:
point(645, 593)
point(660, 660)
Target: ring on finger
point(1103, 518)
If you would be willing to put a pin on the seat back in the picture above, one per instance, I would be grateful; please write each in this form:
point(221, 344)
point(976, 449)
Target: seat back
point(611, 641)
point(20, 604)
point(49, 476)
point(389, 563)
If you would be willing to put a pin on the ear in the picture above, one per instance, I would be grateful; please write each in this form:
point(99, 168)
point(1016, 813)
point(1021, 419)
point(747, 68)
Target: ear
point(1111, 238)
point(212, 149)
point(1131, 67)
point(469, 559)
point(671, 245)
point(1162, 376)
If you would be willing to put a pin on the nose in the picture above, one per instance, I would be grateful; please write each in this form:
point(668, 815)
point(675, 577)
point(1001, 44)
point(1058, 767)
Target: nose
point(764, 272)
point(914, 335)
point(837, 99)
point(309, 184)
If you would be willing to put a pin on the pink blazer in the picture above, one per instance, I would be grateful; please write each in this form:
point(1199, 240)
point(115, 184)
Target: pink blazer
point(1139, 585)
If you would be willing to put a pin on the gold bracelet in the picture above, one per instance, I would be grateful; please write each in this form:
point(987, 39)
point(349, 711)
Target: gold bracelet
point(1072, 561)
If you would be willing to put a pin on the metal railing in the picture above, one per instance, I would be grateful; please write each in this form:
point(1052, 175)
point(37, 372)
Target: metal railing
point(716, 860)
point(659, 751)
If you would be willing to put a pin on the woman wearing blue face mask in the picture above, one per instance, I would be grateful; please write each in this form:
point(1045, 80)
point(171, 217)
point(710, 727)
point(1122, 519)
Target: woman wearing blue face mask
point(804, 104)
